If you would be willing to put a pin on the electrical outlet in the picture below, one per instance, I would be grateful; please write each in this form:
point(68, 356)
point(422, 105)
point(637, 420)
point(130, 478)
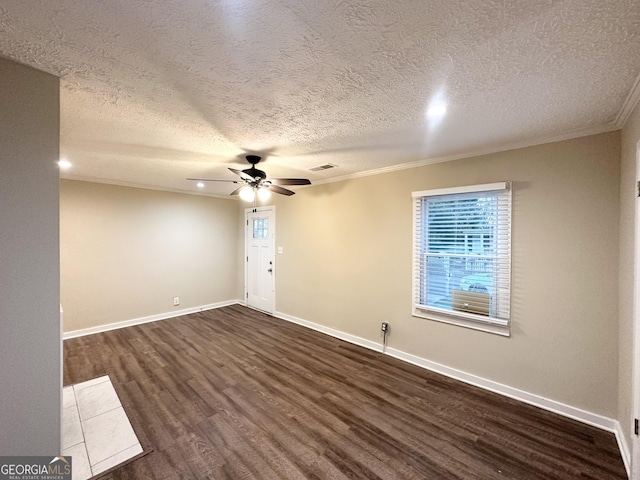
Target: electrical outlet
point(176, 301)
point(385, 326)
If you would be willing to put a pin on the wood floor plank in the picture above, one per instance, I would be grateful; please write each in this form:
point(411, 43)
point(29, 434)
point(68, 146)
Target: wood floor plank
point(234, 393)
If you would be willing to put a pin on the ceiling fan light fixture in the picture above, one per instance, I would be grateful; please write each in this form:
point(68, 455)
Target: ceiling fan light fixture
point(247, 193)
point(264, 194)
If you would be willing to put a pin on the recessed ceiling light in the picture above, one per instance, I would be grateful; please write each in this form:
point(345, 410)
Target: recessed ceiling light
point(64, 164)
point(200, 185)
point(437, 111)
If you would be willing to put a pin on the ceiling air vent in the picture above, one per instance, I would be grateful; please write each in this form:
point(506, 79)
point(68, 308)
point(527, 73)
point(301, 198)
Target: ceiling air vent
point(326, 166)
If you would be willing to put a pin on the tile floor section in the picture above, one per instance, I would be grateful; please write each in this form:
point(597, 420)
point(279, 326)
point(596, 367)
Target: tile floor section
point(96, 431)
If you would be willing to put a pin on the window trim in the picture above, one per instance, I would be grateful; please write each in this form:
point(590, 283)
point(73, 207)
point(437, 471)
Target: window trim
point(469, 320)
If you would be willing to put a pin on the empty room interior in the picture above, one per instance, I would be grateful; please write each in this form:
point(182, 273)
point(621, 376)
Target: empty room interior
point(342, 239)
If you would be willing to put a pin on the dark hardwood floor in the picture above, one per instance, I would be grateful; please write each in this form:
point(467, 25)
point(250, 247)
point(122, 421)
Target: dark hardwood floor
point(233, 393)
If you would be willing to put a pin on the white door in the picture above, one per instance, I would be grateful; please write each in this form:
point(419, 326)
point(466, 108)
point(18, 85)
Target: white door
point(260, 271)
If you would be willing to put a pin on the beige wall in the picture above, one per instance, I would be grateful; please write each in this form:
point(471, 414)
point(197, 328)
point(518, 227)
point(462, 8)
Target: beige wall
point(630, 137)
point(126, 252)
point(347, 265)
point(30, 344)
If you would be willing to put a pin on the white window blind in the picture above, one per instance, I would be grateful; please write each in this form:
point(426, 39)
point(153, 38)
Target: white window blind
point(462, 256)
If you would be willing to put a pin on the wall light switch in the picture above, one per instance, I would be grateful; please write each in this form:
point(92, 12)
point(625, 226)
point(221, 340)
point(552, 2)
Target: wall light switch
point(280, 250)
point(176, 301)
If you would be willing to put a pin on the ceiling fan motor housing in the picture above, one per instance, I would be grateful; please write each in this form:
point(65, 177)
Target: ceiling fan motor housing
point(258, 175)
point(255, 173)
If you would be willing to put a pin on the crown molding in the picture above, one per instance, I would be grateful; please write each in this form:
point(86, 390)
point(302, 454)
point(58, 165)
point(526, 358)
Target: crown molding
point(629, 104)
point(571, 134)
point(143, 186)
point(632, 100)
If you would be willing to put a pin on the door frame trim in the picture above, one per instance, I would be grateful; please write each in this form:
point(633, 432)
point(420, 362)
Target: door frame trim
point(635, 362)
point(247, 211)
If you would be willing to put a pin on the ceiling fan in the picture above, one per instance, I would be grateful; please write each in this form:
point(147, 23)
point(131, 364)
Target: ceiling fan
point(255, 181)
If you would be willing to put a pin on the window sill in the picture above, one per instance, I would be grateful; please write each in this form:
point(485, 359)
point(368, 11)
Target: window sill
point(452, 319)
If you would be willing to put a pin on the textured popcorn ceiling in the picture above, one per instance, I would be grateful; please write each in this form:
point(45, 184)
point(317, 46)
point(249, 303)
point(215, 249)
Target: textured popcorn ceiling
point(156, 91)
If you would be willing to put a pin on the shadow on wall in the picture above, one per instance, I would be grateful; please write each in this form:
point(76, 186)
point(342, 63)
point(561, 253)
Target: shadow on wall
point(519, 283)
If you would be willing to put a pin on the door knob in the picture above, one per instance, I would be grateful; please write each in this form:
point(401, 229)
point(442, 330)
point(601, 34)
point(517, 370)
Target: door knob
point(270, 270)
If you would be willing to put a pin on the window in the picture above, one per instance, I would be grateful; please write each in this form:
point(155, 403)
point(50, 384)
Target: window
point(462, 256)
point(261, 228)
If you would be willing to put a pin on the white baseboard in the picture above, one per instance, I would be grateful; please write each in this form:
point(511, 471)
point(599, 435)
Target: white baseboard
point(624, 448)
point(584, 416)
point(575, 413)
point(151, 318)
point(347, 337)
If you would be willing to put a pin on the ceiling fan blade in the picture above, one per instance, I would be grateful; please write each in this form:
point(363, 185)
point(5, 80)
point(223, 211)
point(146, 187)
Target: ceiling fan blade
point(242, 175)
point(237, 190)
point(280, 190)
point(290, 181)
point(210, 180)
